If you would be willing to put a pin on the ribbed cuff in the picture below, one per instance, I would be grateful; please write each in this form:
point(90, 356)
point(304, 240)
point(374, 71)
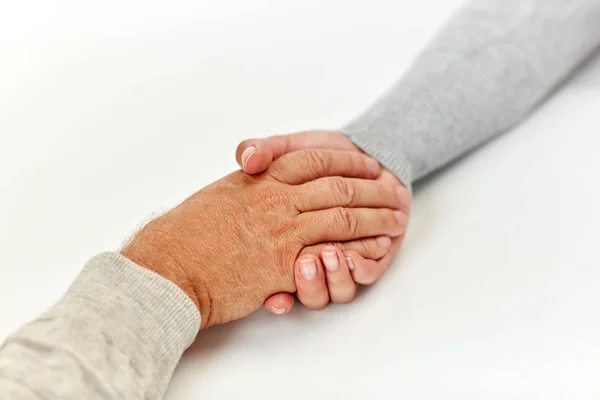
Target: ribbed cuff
point(142, 311)
point(119, 331)
point(373, 139)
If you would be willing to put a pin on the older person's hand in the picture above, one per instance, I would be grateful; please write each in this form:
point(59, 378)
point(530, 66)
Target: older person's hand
point(365, 260)
point(233, 244)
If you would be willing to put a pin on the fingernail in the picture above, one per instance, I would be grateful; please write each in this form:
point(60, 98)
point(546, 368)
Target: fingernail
point(384, 241)
point(372, 167)
point(350, 263)
point(402, 221)
point(279, 311)
point(308, 269)
point(330, 260)
point(247, 154)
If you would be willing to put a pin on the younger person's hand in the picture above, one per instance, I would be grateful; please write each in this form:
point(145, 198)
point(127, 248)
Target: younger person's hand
point(233, 244)
point(327, 271)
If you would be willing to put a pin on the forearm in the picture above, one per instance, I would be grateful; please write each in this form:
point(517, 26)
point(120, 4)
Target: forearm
point(117, 333)
point(490, 66)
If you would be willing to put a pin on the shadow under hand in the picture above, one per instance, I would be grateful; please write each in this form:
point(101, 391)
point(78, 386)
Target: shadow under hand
point(251, 330)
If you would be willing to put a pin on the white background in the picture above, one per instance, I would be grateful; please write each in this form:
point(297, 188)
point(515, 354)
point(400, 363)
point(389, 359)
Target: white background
point(110, 111)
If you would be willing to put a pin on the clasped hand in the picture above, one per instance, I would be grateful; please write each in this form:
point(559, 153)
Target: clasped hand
point(234, 243)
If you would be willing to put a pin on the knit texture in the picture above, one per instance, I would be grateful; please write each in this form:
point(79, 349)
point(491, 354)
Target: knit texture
point(487, 69)
point(120, 329)
point(117, 333)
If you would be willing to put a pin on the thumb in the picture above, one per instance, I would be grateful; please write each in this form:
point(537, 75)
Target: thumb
point(279, 303)
point(256, 155)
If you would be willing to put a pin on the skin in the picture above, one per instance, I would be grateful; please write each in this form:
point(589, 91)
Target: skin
point(230, 269)
point(360, 261)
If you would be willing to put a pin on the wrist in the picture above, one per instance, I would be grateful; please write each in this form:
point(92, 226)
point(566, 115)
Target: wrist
point(160, 255)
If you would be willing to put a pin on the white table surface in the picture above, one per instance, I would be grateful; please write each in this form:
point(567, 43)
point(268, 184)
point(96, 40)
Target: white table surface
point(110, 111)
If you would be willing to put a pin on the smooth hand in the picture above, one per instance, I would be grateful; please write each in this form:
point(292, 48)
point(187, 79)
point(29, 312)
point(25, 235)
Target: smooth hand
point(233, 244)
point(365, 260)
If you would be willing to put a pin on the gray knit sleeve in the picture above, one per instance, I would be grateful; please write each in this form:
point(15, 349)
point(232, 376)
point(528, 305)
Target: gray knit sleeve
point(487, 69)
point(117, 333)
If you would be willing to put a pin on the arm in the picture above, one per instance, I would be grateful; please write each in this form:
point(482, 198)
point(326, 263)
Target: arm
point(488, 68)
point(118, 333)
point(121, 328)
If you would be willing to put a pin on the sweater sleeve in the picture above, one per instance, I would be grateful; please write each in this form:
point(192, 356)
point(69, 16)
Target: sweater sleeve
point(117, 333)
point(486, 70)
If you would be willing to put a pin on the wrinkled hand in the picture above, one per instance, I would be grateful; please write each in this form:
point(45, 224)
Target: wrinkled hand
point(364, 261)
point(233, 243)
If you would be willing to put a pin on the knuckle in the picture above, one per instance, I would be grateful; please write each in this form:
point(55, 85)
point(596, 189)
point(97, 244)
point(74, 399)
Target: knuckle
point(345, 191)
point(280, 228)
point(276, 170)
point(348, 221)
point(270, 198)
point(356, 161)
point(302, 231)
point(363, 248)
point(318, 162)
point(269, 215)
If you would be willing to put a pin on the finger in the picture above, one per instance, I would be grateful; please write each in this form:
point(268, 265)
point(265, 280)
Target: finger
point(255, 155)
point(387, 178)
point(310, 282)
point(367, 271)
point(340, 284)
point(305, 165)
point(279, 303)
point(371, 248)
point(343, 224)
point(346, 192)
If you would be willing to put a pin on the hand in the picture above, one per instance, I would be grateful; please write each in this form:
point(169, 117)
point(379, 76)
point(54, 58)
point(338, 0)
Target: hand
point(233, 243)
point(364, 260)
